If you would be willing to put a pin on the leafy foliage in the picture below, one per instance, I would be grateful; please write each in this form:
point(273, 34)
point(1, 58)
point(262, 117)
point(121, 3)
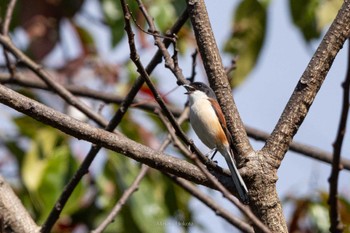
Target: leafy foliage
point(312, 16)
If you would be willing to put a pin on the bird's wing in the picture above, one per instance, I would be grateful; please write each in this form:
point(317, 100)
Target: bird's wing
point(221, 118)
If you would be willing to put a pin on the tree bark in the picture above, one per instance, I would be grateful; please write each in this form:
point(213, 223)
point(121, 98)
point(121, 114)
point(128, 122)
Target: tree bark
point(13, 216)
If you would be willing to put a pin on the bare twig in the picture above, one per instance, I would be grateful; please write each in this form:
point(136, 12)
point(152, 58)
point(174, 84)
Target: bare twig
point(194, 63)
point(126, 195)
point(134, 186)
point(334, 214)
point(169, 62)
point(8, 17)
point(5, 32)
point(173, 39)
point(300, 148)
point(58, 88)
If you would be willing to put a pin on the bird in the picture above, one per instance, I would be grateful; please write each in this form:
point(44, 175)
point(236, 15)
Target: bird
point(209, 124)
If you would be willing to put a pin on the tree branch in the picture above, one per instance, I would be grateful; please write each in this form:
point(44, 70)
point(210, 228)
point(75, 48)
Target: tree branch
point(5, 32)
point(117, 143)
point(259, 135)
point(300, 148)
point(58, 88)
point(13, 216)
point(169, 62)
point(308, 86)
point(121, 202)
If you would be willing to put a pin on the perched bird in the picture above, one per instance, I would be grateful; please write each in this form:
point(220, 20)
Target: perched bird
point(208, 122)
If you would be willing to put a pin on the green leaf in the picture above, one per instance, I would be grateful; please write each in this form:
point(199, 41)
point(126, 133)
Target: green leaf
point(326, 12)
point(35, 161)
point(47, 166)
point(164, 13)
point(86, 39)
point(114, 18)
point(27, 126)
point(304, 17)
point(247, 37)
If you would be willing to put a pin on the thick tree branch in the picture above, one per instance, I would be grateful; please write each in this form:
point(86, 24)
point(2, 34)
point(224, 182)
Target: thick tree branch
point(217, 75)
point(263, 167)
point(300, 148)
point(13, 216)
point(118, 143)
point(308, 86)
point(259, 135)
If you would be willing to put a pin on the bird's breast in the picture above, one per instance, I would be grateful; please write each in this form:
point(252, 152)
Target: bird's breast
point(205, 123)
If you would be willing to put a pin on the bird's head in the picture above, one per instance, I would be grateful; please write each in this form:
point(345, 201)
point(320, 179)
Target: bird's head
point(199, 88)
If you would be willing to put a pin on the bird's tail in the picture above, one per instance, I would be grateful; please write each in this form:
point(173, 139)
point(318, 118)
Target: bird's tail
point(237, 179)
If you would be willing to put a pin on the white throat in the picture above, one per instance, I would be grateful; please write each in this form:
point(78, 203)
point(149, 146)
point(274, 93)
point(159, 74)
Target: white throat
point(197, 96)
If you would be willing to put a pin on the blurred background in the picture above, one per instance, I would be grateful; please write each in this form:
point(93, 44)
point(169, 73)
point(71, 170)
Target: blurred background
point(82, 43)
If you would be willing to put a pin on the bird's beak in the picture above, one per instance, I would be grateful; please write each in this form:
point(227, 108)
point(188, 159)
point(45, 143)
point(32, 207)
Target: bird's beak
point(188, 88)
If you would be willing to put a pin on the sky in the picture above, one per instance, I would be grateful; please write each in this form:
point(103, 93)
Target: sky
point(261, 100)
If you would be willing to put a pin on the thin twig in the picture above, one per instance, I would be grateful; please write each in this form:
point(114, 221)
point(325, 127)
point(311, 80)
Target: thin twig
point(334, 214)
point(134, 186)
point(5, 32)
point(46, 77)
point(194, 63)
point(173, 39)
point(300, 148)
point(169, 62)
point(121, 202)
point(8, 17)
